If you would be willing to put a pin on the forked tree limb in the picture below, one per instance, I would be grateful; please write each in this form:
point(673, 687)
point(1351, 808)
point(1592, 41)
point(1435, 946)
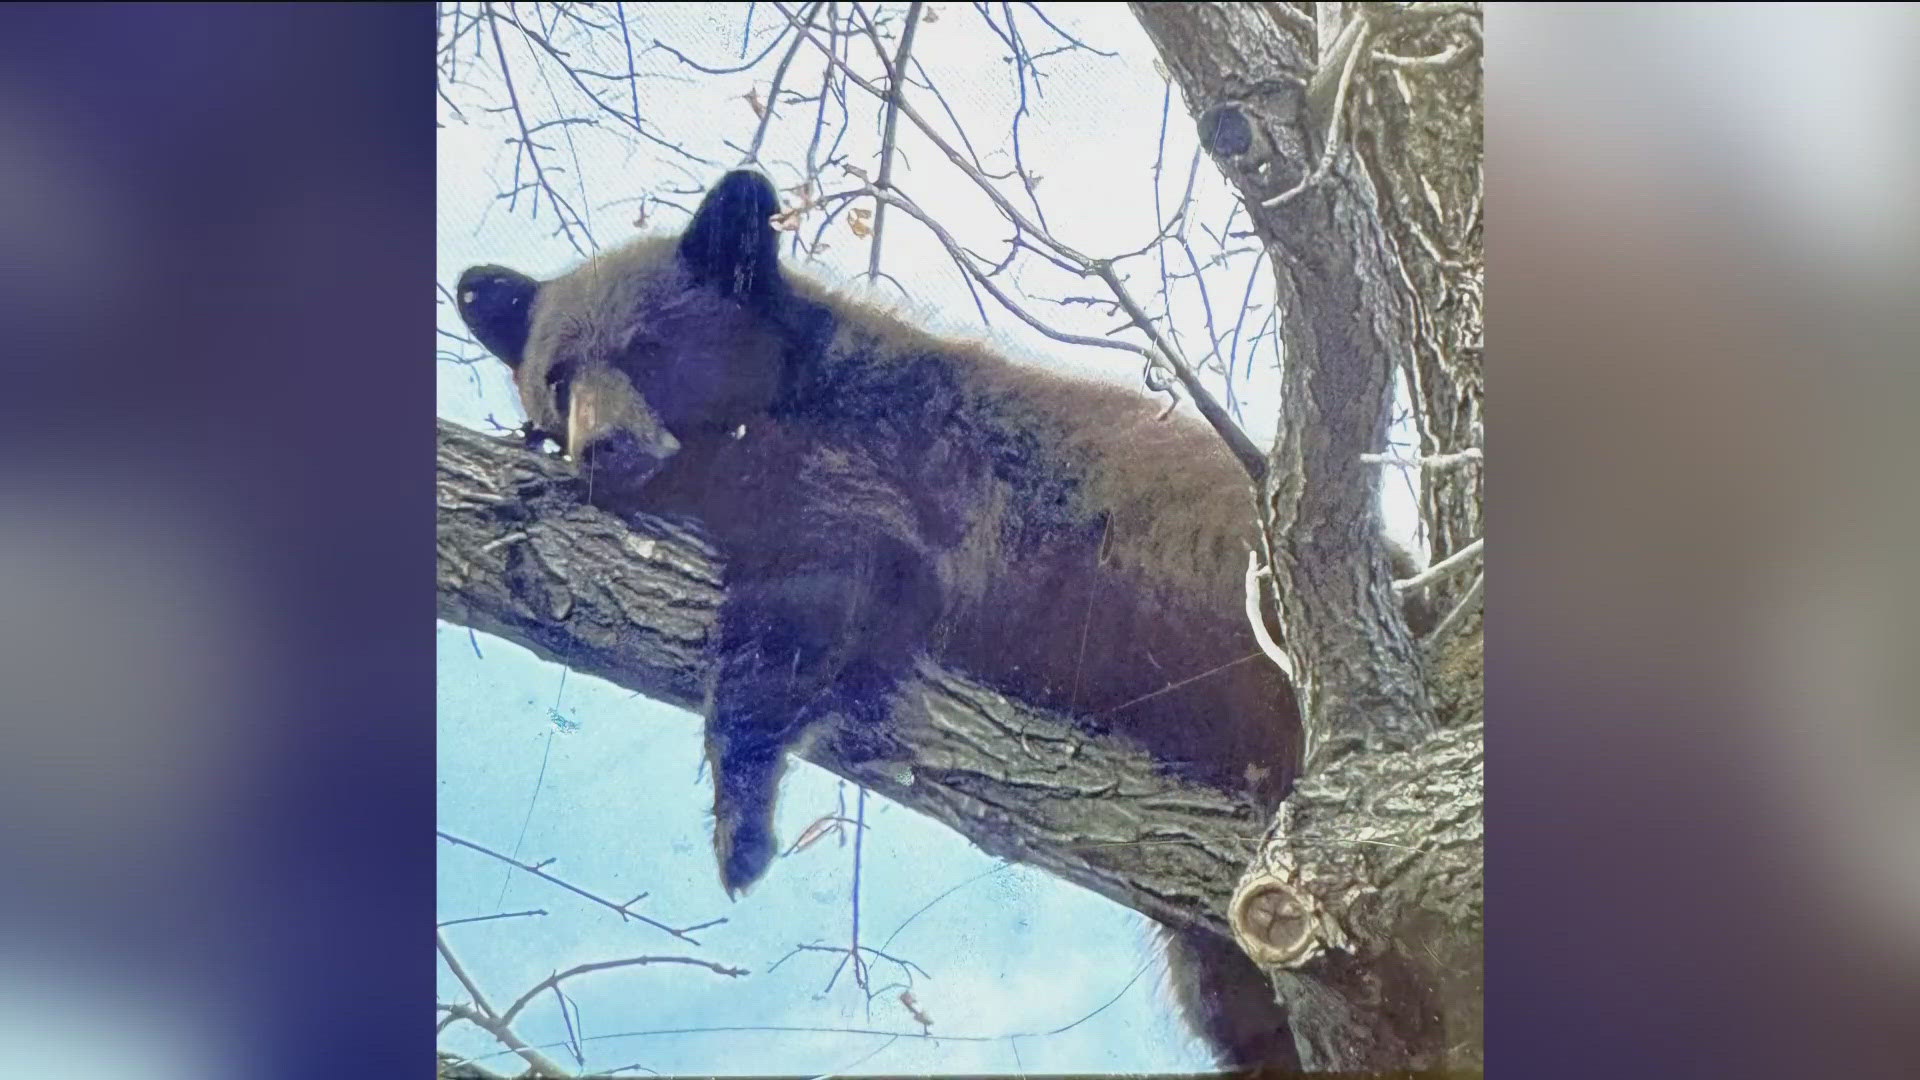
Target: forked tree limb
point(1366, 901)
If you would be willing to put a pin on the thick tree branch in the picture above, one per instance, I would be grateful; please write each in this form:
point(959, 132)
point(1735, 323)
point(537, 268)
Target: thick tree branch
point(1366, 903)
point(522, 556)
point(1346, 330)
point(1421, 146)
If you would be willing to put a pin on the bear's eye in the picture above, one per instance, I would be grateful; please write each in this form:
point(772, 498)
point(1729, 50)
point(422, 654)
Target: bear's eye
point(560, 384)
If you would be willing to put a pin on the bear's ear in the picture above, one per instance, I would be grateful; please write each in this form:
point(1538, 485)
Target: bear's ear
point(497, 305)
point(730, 244)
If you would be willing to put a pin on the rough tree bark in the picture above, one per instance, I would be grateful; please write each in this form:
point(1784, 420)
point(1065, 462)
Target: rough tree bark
point(523, 557)
point(1366, 901)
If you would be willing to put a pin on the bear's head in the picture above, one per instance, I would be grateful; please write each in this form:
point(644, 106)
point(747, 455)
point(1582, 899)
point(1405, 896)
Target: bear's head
point(643, 350)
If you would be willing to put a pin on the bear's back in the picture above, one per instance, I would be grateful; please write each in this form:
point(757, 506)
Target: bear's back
point(1089, 545)
point(1096, 542)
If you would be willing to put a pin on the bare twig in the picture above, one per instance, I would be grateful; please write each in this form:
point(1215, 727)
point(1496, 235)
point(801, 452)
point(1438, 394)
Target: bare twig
point(1249, 455)
point(481, 1014)
point(1445, 568)
point(561, 207)
point(1064, 36)
point(1458, 616)
point(554, 980)
point(820, 111)
point(1164, 352)
point(906, 966)
point(710, 70)
point(633, 123)
point(625, 910)
point(1268, 646)
point(1000, 201)
point(1023, 67)
point(896, 88)
point(984, 279)
point(859, 846)
point(539, 1063)
point(460, 972)
point(1470, 456)
point(489, 918)
point(1330, 153)
point(773, 90)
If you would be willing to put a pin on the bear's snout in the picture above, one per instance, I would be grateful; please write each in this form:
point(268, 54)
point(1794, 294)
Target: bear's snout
point(614, 438)
point(618, 461)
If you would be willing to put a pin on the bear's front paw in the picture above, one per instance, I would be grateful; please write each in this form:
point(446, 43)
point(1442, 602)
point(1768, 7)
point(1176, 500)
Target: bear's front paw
point(745, 852)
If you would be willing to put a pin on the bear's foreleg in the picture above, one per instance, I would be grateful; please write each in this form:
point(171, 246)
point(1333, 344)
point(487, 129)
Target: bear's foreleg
point(814, 634)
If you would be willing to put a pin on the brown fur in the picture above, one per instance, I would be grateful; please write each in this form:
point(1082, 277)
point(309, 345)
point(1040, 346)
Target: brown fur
point(881, 495)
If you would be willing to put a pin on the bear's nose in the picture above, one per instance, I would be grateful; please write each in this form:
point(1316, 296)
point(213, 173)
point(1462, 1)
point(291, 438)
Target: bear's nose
point(619, 462)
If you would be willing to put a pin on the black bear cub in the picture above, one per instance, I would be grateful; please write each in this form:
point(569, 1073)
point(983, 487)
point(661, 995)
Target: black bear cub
point(880, 495)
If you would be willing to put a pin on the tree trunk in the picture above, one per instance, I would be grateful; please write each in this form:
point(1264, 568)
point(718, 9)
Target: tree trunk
point(1366, 901)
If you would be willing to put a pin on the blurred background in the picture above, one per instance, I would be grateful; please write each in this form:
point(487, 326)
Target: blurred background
point(1702, 330)
point(216, 538)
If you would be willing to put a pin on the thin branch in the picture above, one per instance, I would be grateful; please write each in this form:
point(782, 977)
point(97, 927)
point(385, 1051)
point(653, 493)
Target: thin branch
point(1335, 126)
point(1167, 353)
point(1268, 646)
point(554, 980)
point(1249, 455)
point(1022, 66)
point(773, 89)
point(859, 846)
point(1471, 455)
point(1445, 568)
point(907, 967)
point(490, 918)
point(633, 122)
point(541, 1064)
point(958, 128)
point(1179, 234)
point(985, 280)
point(1000, 201)
point(820, 110)
point(539, 870)
point(561, 208)
point(1458, 616)
point(896, 89)
point(705, 70)
point(633, 76)
point(482, 1015)
point(460, 973)
point(1064, 36)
